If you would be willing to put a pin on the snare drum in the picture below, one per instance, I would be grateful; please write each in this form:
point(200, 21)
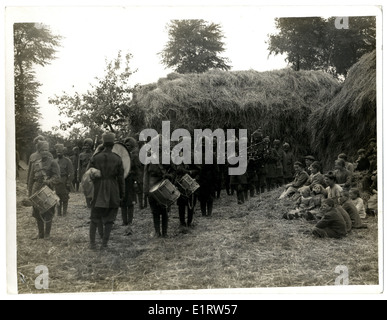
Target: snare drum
point(44, 199)
point(165, 193)
point(187, 186)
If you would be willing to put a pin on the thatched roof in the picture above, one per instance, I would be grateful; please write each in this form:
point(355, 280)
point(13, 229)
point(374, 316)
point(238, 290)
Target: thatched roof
point(278, 101)
point(346, 123)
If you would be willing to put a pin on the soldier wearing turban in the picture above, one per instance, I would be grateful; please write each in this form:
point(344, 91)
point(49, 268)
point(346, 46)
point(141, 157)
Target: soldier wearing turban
point(66, 177)
point(44, 172)
point(109, 189)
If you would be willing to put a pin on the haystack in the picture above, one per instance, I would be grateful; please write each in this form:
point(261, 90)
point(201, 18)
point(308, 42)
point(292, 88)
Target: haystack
point(346, 123)
point(279, 102)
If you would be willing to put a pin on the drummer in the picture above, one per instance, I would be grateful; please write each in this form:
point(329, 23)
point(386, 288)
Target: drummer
point(186, 203)
point(153, 175)
point(131, 185)
point(84, 161)
point(66, 177)
point(44, 172)
point(109, 189)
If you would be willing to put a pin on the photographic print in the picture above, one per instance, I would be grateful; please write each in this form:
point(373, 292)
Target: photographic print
point(193, 149)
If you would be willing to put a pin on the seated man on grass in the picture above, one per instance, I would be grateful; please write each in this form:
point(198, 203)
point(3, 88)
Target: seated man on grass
point(332, 224)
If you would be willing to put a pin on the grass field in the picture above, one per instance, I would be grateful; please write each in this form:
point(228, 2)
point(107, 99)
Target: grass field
point(240, 246)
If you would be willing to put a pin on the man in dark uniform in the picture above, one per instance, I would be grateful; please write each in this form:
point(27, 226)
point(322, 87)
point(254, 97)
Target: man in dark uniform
point(109, 188)
point(44, 172)
point(33, 157)
point(131, 185)
point(259, 154)
point(66, 177)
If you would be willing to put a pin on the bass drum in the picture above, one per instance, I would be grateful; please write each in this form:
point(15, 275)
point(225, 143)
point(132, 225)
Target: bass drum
point(120, 149)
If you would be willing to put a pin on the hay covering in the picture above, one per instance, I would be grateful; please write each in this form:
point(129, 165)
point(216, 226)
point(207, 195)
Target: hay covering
point(278, 101)
point(346, 123)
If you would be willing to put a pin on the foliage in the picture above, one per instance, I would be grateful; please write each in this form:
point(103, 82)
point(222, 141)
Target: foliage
point(34, 44)
point(194, 47)
point(315, 43)
point(107, 105)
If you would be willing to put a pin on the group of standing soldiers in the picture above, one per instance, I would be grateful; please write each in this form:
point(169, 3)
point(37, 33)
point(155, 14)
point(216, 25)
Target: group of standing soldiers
point(268, 167)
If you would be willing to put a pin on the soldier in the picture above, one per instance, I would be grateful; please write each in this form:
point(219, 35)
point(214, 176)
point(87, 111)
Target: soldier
point(279, 177)
point(84, 160)
point(288, 160)
point(66, 177)
point(259, 154)
point(131, 185)
point(109, 189)
point(186, 203)
point(44, 172)
point(153, 175)
point(272, 160)
point(33, 157)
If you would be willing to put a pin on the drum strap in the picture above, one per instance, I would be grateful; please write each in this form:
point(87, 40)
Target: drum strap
point(191, 202)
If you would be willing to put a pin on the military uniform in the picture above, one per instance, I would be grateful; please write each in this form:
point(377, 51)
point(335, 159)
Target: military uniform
point(109, 190)
point(66, 177)
point(44, 172)
point(84, 161)
point(186, 203)
point(75, 161)
point(153, 175)
point(131, 184)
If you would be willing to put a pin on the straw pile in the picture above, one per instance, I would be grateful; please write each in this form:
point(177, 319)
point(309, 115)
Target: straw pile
point(346, 123)
point(278, 101)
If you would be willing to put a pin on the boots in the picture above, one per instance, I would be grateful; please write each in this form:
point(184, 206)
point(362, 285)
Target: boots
point(156, 223)
point(106, 234)
point(182, 215)
point(65, 206)
point(100, 229)
point(92, 234)
point(164, 227)
point(47, 230)
point(203, 208)
point(60, 208)
point(210, 204)
point(130, 214)
point(124, 214)
point(40, 224)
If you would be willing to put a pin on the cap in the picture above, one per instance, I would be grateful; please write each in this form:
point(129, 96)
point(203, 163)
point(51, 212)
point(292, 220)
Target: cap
point(59, 147)
point(108, 137)
point(88, 142)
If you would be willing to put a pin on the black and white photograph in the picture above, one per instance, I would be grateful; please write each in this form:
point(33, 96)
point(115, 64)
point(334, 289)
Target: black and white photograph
point(194, 150)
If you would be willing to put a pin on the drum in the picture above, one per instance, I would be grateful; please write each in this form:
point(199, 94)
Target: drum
point(165, 193)
point(44, 199)
point(187, 186)
point(120, 149)
point(123, 152)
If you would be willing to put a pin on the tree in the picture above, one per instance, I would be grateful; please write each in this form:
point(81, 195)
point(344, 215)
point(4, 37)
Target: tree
point(194, 47)
point(317, 44)
point(33, 44)
point(106, 106)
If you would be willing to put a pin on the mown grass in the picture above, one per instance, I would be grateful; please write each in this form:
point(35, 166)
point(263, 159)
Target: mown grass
point(240, 246)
